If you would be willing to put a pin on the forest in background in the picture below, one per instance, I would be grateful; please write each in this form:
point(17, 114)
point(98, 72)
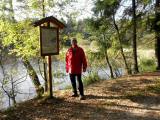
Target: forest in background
point(130, 41)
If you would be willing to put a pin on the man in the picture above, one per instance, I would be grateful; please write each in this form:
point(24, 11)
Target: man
point(75, 63)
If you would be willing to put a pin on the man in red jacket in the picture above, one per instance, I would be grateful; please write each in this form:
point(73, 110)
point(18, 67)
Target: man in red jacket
point(75, 63)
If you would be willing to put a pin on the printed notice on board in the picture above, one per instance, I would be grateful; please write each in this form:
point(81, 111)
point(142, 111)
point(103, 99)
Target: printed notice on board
point(48, 41)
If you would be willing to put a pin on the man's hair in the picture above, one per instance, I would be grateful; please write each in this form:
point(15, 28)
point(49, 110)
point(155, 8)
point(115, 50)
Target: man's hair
point(74, 40)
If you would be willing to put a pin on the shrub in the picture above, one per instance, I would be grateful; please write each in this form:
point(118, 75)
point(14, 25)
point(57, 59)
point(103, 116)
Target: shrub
point(147, 65)
point(91, 78)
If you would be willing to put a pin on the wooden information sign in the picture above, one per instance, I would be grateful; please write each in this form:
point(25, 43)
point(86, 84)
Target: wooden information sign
point(49, 42)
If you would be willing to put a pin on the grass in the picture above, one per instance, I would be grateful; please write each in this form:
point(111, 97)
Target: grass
point(68, 87)
point(91, 78)
point(58, 74)
point(87, 80)
point(147, 65)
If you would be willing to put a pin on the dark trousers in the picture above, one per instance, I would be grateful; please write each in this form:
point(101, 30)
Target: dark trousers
point(80, 83)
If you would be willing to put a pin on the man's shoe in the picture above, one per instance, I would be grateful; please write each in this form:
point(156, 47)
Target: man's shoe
point(82, 97)
point(74, 95)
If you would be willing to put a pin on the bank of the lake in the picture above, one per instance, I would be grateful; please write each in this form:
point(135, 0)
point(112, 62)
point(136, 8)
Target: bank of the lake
point(26, 91)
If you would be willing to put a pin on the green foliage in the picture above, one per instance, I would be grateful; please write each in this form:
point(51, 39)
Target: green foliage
point(58, 74)
point(94, 46)
point(106, 7)
point(62, 54)
point(79, 36)
point(95, 58)
point(145, 2)
point(91, 78)
point(7, 10)
point(36, 6)
point(147, 65)
point(21, 38)
point(84, 43)
point(147, 41)
point(101, 26)
point(68, 87)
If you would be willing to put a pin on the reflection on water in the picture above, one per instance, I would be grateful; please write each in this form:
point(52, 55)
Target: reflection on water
point(26, 89)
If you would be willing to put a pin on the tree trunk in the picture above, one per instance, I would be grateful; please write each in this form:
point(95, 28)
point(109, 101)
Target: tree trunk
point(134, 37)
point(157, 32)
point(12, 93)
point(106, 56)
point(43, 8)
point(121, 47)
point(33, 75)
point(107, 60)
point(44, 63)
point(14, 101)
point(45, 75)
point(11, 11)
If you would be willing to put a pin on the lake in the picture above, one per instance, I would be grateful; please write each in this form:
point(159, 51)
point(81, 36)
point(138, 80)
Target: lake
point(26, 88)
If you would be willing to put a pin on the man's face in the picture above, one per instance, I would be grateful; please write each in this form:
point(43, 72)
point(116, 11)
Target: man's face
point(74, 43)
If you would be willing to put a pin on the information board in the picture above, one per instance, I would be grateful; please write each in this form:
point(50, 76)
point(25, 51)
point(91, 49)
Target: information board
point(49, 41)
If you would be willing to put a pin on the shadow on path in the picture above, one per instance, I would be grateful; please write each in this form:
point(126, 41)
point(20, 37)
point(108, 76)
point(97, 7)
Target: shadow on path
point(59, 109)
point(142, 100)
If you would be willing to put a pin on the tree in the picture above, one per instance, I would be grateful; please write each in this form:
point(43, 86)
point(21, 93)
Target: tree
point(108, 9)
point(7, 10)
point(134, 37)
point(9, 81)
point(105, 48)
point(157, 32)
point(141, 12)
point(18, 38)
point(101, 30)
point(16, 32)
point(40, 9)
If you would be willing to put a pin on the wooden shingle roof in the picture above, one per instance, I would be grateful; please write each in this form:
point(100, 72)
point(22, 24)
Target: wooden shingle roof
point(49, 19)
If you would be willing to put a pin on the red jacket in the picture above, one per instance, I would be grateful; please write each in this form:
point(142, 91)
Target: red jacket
point(75, 61)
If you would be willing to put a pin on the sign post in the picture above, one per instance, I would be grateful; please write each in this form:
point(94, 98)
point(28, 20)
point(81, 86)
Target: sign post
point(50, 76)
point(49, 43)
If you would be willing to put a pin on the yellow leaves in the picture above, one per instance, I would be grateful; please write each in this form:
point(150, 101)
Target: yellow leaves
point(65, 37)
point(21, 38)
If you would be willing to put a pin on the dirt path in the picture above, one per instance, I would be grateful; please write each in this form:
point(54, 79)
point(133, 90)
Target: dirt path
point(127, 98)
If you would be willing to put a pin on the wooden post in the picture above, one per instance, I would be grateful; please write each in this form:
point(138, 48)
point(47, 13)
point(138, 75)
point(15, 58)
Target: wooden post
point(50, 76)
point(50, 72)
